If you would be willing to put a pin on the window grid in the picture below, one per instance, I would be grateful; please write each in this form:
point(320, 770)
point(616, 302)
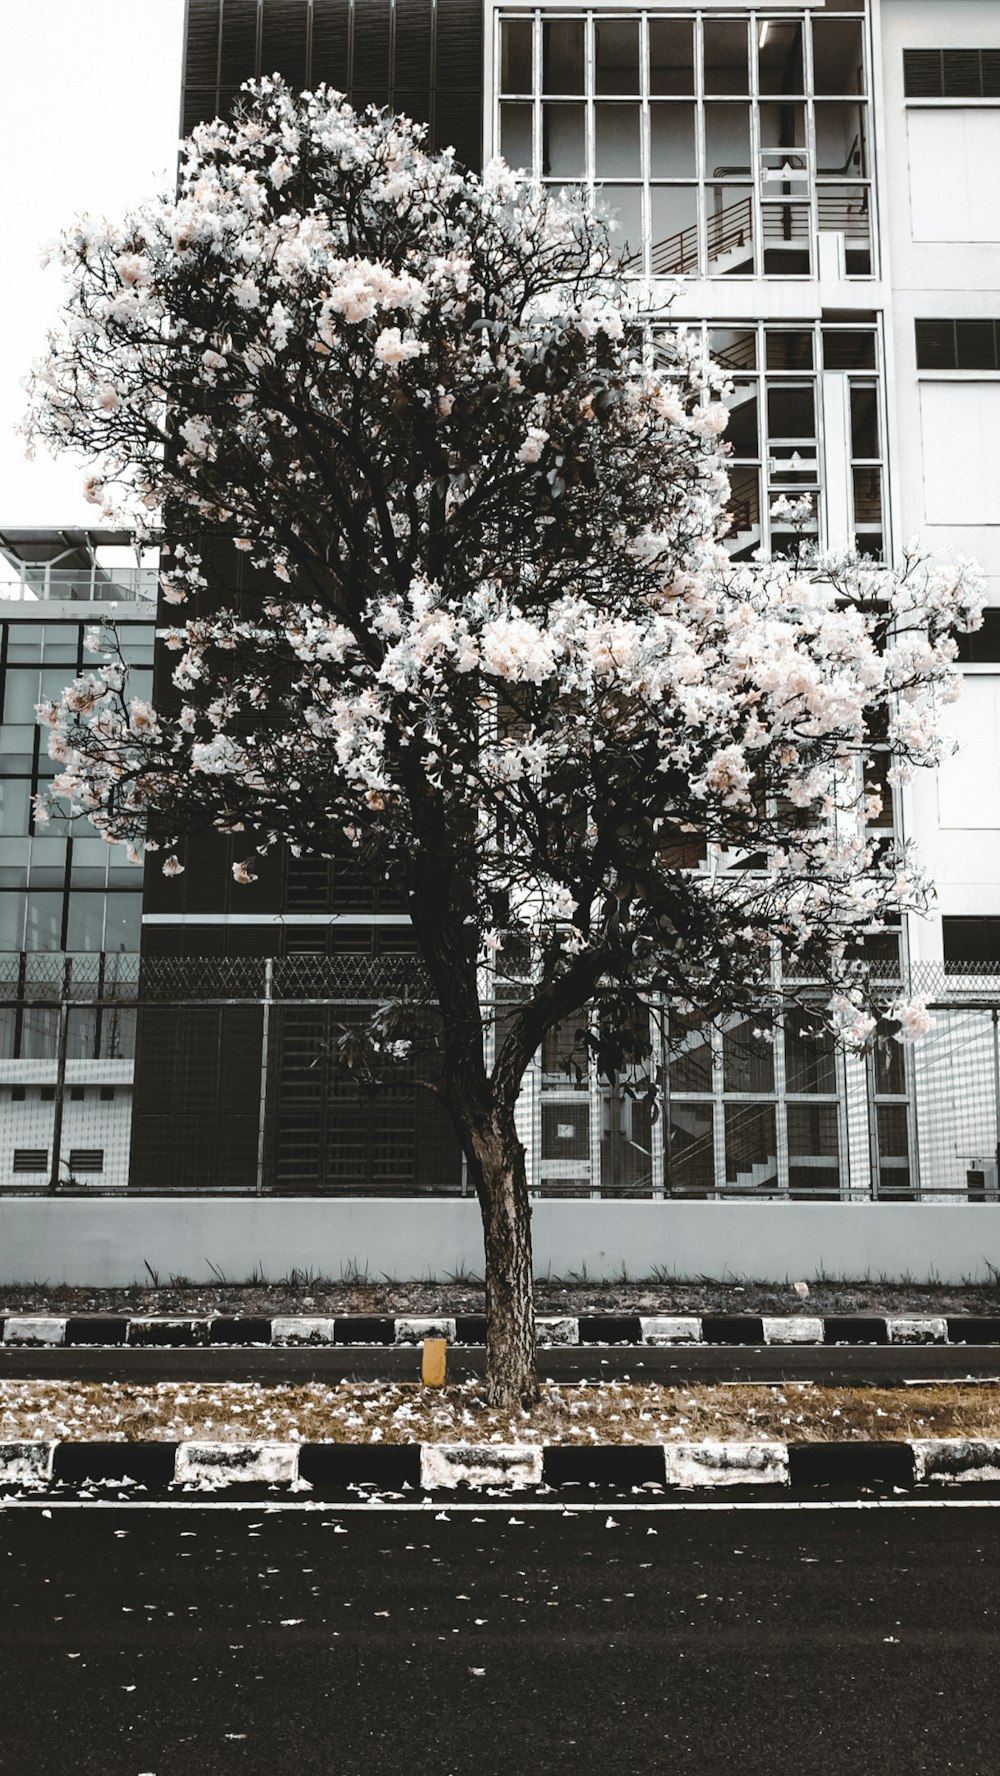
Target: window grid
point(61, 887)
point(789, 361)
point(723, 220)
point(728, 1141)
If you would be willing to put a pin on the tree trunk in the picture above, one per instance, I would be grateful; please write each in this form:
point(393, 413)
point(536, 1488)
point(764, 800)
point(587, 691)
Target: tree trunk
point(496, 1159)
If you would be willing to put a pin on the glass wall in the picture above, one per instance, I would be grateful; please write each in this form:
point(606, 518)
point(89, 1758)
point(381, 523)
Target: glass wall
point(61, 887)
point(721, 146)
point(789, 384)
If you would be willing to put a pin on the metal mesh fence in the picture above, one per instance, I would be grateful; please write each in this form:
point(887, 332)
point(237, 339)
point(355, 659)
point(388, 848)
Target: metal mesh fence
point(121, 1073)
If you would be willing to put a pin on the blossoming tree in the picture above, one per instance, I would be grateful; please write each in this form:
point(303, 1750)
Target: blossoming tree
point(499, 650)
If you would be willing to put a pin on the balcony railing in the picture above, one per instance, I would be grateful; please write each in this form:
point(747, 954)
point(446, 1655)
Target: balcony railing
point(80, 585)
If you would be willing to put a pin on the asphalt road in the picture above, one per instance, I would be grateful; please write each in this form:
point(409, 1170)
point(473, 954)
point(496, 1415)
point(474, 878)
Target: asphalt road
point(169, 1641)
point(874, 1365)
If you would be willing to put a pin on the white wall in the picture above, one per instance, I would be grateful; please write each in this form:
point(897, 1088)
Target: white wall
point(940, 208)
point(111, 1241)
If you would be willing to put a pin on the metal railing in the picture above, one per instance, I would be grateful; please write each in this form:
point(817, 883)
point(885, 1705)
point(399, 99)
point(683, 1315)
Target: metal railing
point(126, 1074)
point(79, 585)
point(785, 222)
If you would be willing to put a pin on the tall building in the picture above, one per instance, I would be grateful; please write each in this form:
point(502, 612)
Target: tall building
point(819, 175)
point(70, 905)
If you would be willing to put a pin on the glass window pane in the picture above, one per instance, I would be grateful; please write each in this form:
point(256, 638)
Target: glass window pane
point(751, 1149)
point(890, 1069)
point(616, 142)
point(690, 1055)
point(729, 230)
point(48, 860)
point(123, 922)
point(515, 56)
point(791, 411)
point(841, 140)
point(780, 67)
point(85, 925)
point(622, 204)
point(813, 1150)
point(747, 1060)
point(893, 1149)
point(846, 210)
point(44, 923)
point(81, 1033)
point(787, 240)
point(733, 348)
point(25, 642)
point(867, 498)
point(810, 1056)
point(562, 56)
point(671, 57)
point(848, 351)
point(690, 1150)
point(15, 806)
point(616, 56)
point(783, 127)
point(727, 67)
point(39, 1033)
point(674, 228)
point(564, 1056)
point(515, 135)
point(744, 534)
point(789, 349)
point(564, 152)
point(62, 643)
point(727, 142)
point(864, 420)
point(838, 56)
point(11, 921)
point(626, 1146)
point(672, 142)
point(21, 693)
point(742, 432)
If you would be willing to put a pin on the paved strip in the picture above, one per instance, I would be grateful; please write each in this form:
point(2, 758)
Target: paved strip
point(186, 1332)
point(846, 1365)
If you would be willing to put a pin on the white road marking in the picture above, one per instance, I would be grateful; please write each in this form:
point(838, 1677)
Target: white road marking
point(558, 1507)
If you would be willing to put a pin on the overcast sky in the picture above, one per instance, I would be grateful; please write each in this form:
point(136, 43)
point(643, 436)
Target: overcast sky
point(89, 121)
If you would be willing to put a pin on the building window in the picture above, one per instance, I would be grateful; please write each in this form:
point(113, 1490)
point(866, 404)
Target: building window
point(777, 432)
point(61, 887)
point(720, 148)
point(971, 941)
point(951, 73)
point(982, 647)
point(754, 1114)
point(958, 345)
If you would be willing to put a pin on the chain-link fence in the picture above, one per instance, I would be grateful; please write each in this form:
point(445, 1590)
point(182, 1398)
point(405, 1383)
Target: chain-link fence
point(120, 1073)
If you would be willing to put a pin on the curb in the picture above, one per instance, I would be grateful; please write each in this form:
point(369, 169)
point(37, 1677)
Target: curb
point(299, 1467)
point(290, 1331)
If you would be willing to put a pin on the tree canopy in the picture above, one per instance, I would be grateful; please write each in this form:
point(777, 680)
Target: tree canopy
point(487, 634)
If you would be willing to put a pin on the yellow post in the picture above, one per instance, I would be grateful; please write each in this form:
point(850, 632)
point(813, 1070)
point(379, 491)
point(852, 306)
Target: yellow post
point(435, 1364)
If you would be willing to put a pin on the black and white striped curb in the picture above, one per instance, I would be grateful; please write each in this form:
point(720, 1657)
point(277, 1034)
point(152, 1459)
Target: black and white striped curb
point(297, 1330)
point(299, 1467)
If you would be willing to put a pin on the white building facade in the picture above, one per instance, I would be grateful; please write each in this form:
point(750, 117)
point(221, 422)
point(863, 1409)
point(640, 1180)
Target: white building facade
point(821, 177)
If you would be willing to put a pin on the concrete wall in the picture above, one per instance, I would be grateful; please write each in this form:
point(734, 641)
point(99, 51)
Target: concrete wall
point(110, 1241)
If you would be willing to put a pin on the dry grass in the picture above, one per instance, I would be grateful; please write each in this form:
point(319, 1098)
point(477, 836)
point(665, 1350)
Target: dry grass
point(603, 1412)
